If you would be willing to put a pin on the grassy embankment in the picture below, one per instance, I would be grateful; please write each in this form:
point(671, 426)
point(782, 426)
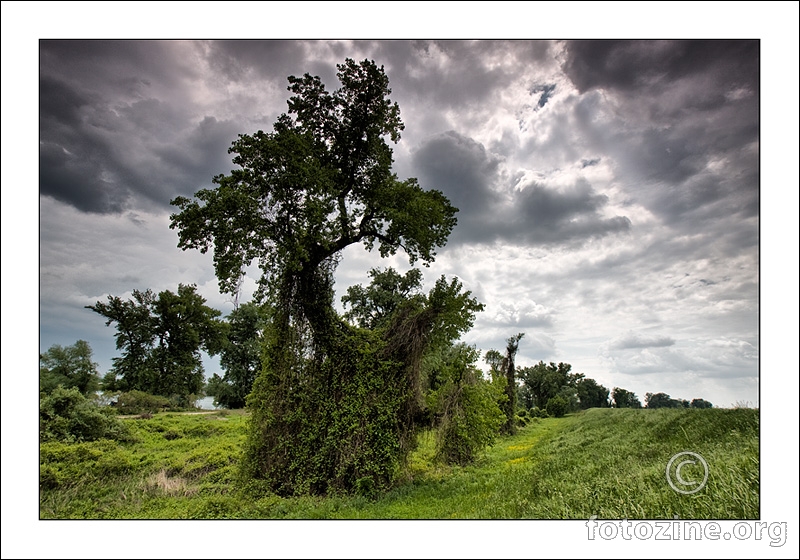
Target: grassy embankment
point(604, 462)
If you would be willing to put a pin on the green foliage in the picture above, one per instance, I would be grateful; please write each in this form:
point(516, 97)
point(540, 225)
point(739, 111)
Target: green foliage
point(622, 398)
point(372, 307)
point(545, 381)
point(321, 181)
point(557, 406)
point(305, 438)
point(160, 337)
point(169, 458)
point(68, 366)
point(503, 367)
point(67, 415)
point(701, 403)
point(240, 356)
point(662, 400)
point(510, 406)
point(525, 398)
point(466, 407)
point(591, 394)
point(333, 405)
point(65, 464)
point(138, 402)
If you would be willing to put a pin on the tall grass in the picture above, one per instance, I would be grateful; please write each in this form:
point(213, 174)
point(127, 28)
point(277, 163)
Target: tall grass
point(604, 462)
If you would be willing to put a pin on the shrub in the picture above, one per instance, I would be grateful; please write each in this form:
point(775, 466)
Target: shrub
point(537, 412)
point(66, 415)
point(139, 402)
point(557, 406)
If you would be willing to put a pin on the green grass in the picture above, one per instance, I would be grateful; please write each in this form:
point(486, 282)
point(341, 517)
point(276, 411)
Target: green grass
point(604, 462)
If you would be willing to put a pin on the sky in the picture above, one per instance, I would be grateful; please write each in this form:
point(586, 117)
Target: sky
point(631, 206)
point(608, 191)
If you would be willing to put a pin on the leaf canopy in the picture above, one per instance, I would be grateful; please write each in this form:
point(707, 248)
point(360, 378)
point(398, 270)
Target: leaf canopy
point(319, 182)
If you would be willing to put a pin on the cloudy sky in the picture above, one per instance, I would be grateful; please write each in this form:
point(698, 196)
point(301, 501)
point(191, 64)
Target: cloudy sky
point(608, 191)
point(621, 203)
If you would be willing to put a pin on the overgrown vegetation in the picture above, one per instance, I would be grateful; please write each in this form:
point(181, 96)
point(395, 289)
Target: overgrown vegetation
point(67, 415)
point(336, 407)
point(604, 462)
point(465, 406)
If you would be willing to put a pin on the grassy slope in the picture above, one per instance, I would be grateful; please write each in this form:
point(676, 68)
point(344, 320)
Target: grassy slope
point(608, 463)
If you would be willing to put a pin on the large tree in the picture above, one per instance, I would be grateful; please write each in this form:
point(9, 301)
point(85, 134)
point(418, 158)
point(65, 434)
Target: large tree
point(321, 181)
point(334, 405)
point(160, 337)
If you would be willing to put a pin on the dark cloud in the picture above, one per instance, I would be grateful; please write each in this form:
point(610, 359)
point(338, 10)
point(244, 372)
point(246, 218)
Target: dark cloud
point(546, 208)
point(119, 67)
point(685, 124)
point(243, 59)
point(464, 76)
point(635, 65)
point(490, 210)
point(464, 170)
point(106, 143)
point(77, 181)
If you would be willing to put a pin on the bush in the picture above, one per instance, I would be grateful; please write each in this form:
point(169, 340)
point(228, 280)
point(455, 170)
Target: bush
point(557, 406)
point(66, 415)
point(139, 402)
point(537, 412)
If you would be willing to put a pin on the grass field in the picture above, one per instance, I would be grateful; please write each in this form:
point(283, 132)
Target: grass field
point(604, 462)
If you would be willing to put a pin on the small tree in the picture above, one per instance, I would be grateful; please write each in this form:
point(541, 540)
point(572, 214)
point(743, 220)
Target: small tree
point(505, 367)
point(68, 366)
point(373, 306)
point(466, 407)
point(569, 394)
point(545, 381)
point(558, 406)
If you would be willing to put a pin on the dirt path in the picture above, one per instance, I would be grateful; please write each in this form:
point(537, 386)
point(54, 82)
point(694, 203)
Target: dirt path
point(183, 413)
